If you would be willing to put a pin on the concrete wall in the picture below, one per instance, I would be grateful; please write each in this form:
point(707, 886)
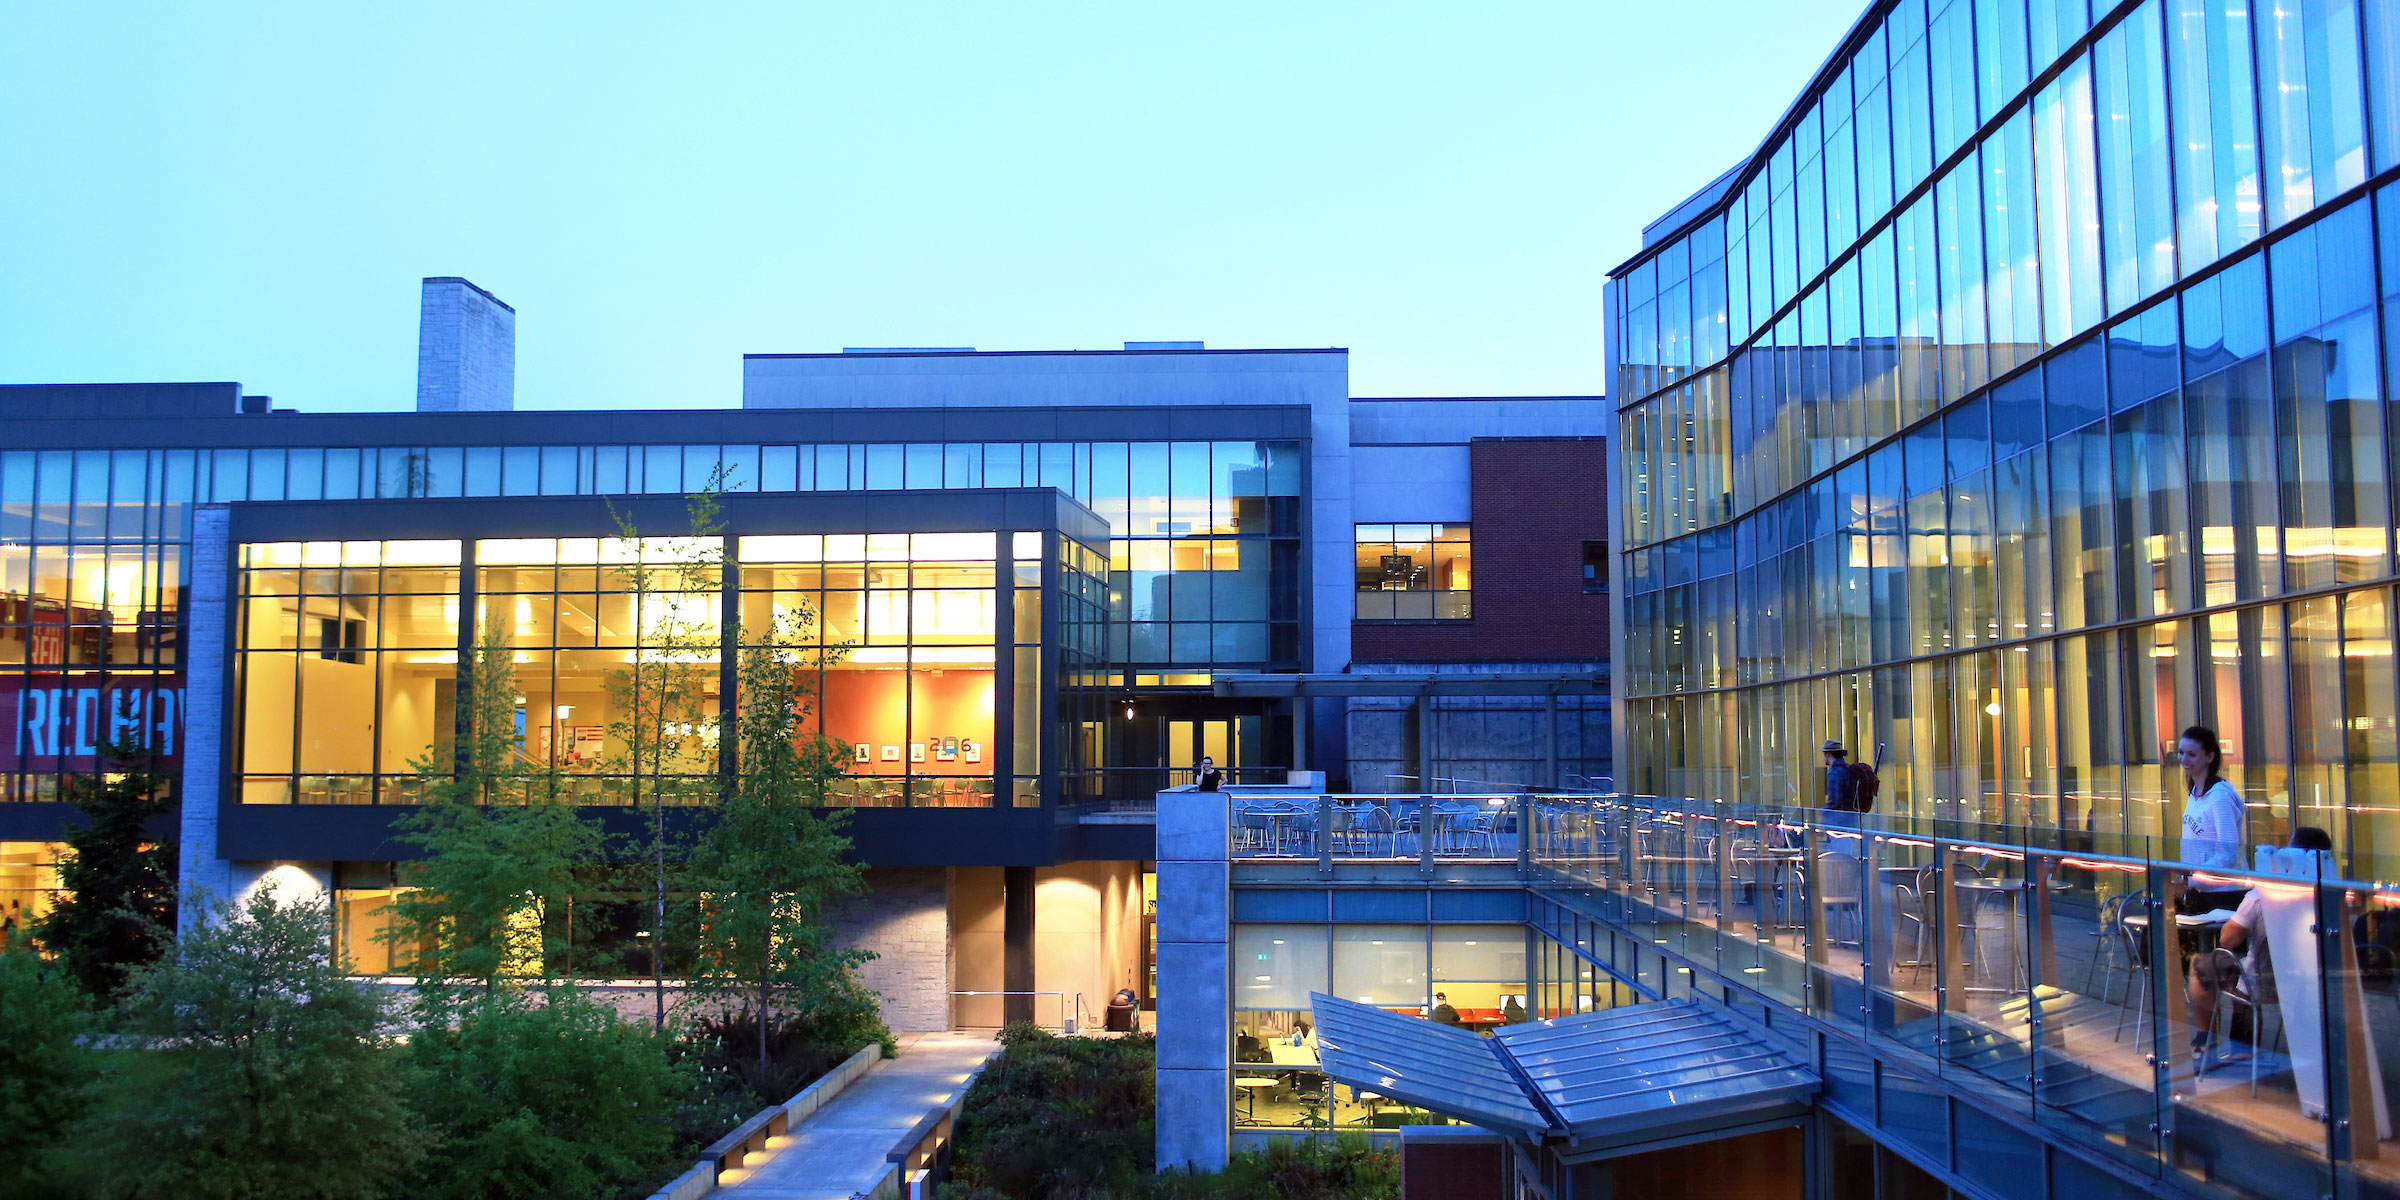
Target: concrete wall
point(1085, 934)
point(1499, 740)
point(1194, 1055)
point(905, 920)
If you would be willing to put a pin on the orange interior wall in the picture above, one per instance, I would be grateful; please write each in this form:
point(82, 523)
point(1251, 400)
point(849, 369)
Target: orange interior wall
point(870, 708)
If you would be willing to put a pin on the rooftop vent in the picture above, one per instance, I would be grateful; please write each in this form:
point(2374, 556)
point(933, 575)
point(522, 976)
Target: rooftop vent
point(255, 405)
point(908, 349)
point(1166, 345)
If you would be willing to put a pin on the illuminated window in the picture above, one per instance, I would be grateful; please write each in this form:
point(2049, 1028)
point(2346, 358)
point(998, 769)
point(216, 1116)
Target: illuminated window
point(1414, 573)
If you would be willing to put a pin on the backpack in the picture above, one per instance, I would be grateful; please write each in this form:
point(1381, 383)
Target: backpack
point(1863, 786)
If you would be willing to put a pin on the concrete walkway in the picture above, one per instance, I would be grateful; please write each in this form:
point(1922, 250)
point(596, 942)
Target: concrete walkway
point(839, 1149)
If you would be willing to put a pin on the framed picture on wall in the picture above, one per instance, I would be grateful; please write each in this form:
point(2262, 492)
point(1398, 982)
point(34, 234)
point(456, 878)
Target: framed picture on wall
point(949, 750)
point(973, 751)
point(891, 754)
point(864, 752)
point(916, 752)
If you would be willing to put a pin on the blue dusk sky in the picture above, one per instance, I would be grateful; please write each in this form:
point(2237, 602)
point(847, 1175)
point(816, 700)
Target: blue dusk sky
point(248, 191)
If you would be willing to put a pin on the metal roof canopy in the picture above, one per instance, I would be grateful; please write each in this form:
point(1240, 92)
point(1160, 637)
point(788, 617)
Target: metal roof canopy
point(1460, 683)
point(1606, 1082)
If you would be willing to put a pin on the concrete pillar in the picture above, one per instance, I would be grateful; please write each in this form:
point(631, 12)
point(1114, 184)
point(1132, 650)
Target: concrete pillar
point(1300, 736)
point(1016, 939)
point(1425, 757)
point(1194, 1014)
point(1550, 738)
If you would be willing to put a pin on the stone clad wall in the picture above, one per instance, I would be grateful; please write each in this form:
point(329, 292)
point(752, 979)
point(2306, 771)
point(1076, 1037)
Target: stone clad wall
point(905, 919)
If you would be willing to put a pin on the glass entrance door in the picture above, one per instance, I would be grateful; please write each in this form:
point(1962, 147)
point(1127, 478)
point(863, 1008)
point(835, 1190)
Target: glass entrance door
point(1230, 741)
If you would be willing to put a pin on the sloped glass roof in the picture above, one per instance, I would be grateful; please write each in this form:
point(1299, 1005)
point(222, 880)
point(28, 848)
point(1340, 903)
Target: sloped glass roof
point(1615, 1071)
point(1593, 1075)
point(1424, 1063)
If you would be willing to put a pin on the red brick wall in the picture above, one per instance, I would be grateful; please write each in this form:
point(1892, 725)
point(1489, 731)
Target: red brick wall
point(1535, 503)
point(1465, 1169)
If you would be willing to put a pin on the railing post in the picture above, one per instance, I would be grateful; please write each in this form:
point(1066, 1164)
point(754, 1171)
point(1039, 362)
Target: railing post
point(1425, 819)
point(1524, 806)
point(1325, 835)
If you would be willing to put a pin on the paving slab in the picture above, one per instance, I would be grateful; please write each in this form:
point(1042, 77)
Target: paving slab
point(838, 1151)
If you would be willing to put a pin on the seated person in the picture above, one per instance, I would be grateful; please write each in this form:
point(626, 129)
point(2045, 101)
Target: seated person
point(1512, 1013)
point(2241, 962)
point(1305, 1035)
point(1442, 1011)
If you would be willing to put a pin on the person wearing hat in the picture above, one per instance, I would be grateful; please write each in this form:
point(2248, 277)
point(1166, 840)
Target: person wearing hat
point(1841, 790)
point(1841, 796)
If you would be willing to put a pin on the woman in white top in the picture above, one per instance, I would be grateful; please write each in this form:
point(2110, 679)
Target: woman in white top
point(2214, 822)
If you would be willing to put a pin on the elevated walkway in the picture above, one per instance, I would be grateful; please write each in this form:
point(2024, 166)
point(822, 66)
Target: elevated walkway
point(843, 1149)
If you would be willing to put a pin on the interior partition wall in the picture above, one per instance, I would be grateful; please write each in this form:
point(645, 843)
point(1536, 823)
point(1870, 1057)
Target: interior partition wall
point(2027, 398)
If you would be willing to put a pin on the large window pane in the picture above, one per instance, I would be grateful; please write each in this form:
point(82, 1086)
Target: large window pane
point(2137, 229)
point(2068, 188)
point(2213, 110)
point(2312, 117)
point(1383, 965)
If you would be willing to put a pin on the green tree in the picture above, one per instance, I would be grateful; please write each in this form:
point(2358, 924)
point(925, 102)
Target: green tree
point(260, 1071)
point(664, 724)
point(45, 1078)
point(499, 848)
point(558, 1097)
point(773, 860)
point(116, 908)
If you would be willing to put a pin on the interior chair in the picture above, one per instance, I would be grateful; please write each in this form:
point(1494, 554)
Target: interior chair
point(1842, 894)
point(1908, 918)
point(2221, 1023)
point(2106, 947)
point(1311, 1090)
point(1998, 927)
point(2136, 945)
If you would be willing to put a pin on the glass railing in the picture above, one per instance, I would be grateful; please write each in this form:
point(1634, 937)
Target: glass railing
point(618, 791)
point(2082, 988)
point(1370, 828)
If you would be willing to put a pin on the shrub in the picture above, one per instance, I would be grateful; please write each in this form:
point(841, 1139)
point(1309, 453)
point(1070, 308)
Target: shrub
point(1060, 1117)
point(542, 1099)
point(254, 1068)
point(1016, 1032)
point(45, 1078)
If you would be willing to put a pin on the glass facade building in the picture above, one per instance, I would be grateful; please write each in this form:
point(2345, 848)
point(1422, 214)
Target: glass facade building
point(2026, 397)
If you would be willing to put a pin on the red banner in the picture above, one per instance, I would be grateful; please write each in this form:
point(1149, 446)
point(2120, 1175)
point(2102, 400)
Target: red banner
point(60, 724)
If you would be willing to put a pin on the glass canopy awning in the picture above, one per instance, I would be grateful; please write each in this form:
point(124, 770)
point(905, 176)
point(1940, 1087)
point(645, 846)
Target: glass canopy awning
point(1610, 1077)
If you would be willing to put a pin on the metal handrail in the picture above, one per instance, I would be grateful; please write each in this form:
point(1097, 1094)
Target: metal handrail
point(1064, 1023)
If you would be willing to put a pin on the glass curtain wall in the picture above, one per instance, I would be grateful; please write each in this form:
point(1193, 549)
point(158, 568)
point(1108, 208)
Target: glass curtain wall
point(1479, 971)
point(350, 652)
point(1205, 535)
point(2026, 401)
point(93, 547)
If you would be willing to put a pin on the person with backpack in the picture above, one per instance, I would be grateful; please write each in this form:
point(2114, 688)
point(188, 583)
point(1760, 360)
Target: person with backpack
point(1849, 788)
point(1841, 787)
